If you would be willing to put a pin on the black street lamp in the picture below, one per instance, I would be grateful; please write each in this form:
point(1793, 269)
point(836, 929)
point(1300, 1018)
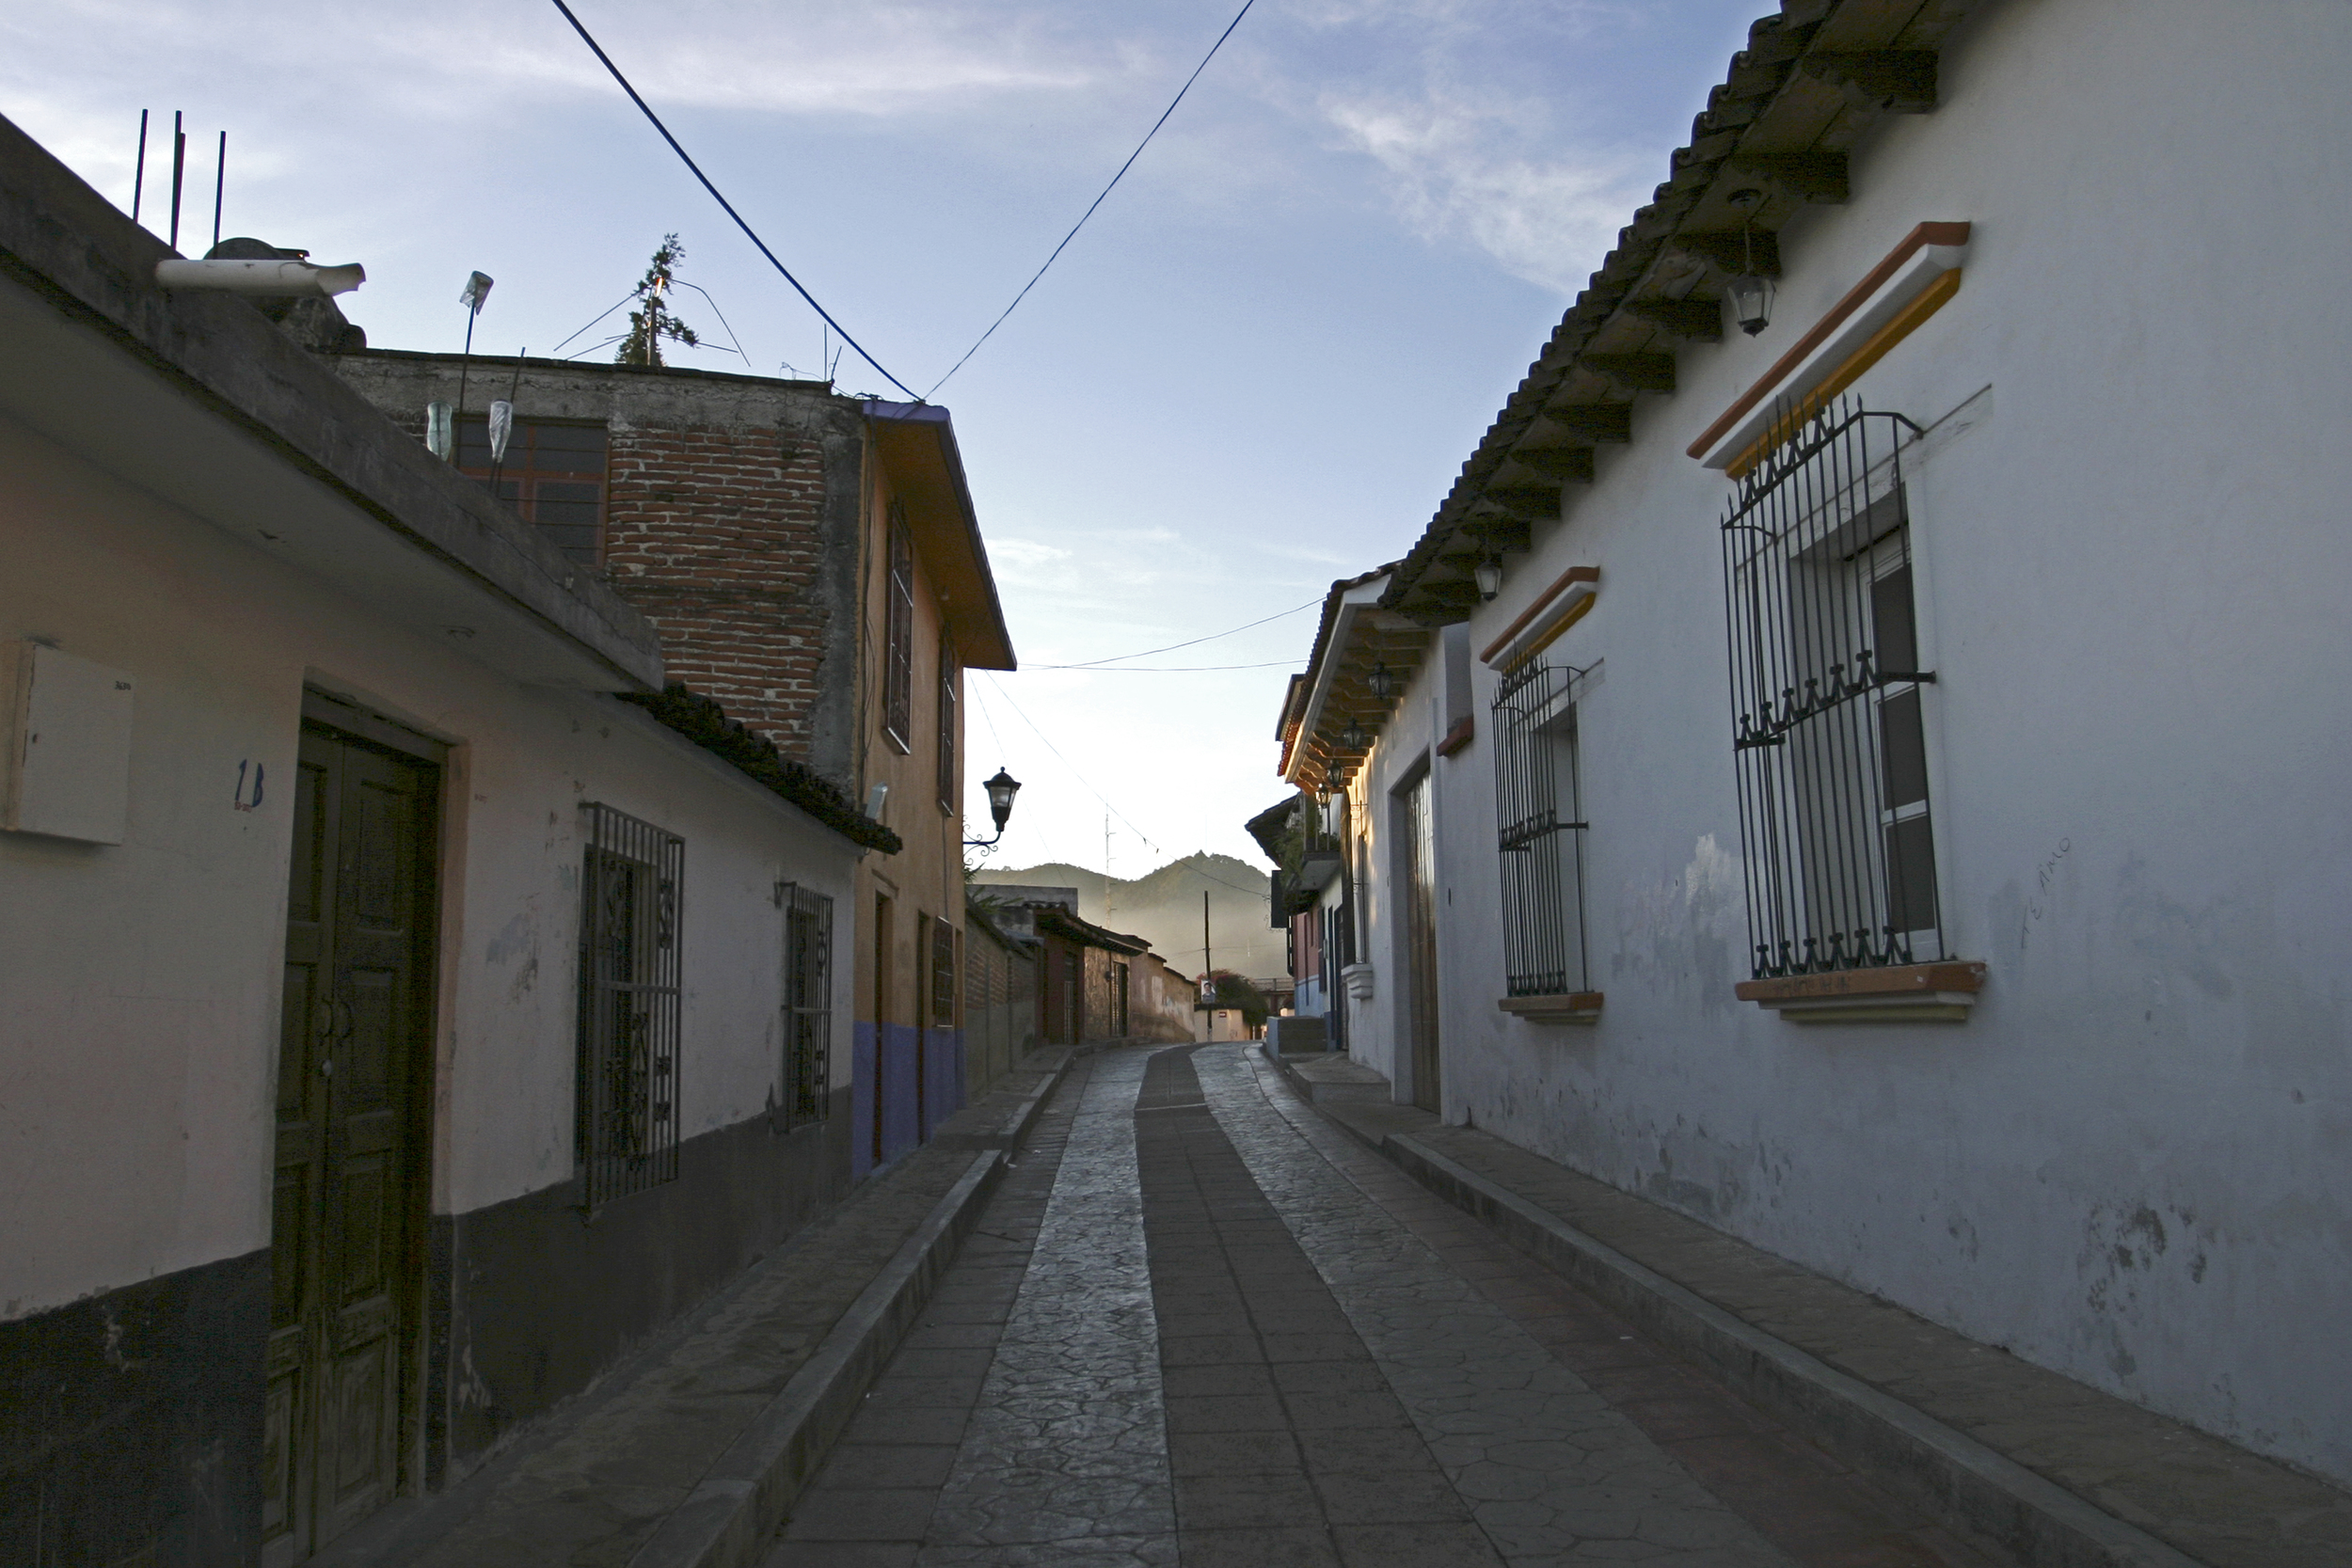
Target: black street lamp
point(1001, 789)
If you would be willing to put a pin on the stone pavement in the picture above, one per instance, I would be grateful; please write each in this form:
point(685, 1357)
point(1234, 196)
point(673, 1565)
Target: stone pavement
point(2199, 1497)
point(1198, 1326)
point(592, 1484)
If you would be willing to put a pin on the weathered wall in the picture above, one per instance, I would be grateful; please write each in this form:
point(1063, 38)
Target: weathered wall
point(143, 982)
point(731, 522)
point(2134, 1163)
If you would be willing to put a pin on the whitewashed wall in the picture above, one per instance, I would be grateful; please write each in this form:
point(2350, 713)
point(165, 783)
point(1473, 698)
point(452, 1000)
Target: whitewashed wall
point(138, 1042)
point(2134, 1164)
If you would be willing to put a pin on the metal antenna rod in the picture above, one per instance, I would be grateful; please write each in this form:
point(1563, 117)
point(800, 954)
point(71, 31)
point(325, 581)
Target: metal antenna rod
point(220, 179)
point(179, 173)
point(139, 178)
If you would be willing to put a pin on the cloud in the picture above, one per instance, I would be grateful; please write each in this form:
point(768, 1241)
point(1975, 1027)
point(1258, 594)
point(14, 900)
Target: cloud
point(1454, 176)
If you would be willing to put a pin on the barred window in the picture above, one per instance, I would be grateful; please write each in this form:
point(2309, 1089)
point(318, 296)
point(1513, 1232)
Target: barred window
point(626, 1126)
point(1828, 732)
point(553, 474)
point(942, 960)
point(1541, 832)
point(899, 653)
point(807, 1004)
point(948, 725)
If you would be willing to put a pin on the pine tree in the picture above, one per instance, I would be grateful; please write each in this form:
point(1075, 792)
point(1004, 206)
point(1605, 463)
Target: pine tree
point(653, 321)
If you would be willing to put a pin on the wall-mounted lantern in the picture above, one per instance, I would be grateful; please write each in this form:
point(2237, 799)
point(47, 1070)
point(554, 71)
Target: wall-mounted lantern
point(1490, 574)
point(1384, 682)
point(1001, 789)
point(1751, 294)
point(1355, 737)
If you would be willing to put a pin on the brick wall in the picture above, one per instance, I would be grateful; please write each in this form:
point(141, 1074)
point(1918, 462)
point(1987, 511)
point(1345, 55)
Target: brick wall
point(717, 534)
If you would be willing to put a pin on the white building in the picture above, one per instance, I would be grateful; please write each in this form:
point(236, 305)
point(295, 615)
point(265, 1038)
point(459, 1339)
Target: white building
point(399, 1023)
point(1911, 837)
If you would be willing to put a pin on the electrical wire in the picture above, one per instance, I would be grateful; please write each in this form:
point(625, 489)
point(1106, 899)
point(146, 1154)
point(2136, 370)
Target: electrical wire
point(729, 207)
point(1252, 891)
point(1167, 669)
point(1121, 658)
point(1097, 201)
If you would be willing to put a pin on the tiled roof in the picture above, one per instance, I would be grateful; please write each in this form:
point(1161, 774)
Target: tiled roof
point(1811, 81)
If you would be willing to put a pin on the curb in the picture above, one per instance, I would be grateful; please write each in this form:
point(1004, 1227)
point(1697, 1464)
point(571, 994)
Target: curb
point(728, 1519)
point(1938, 1465)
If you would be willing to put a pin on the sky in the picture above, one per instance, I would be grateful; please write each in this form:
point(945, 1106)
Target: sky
point(1258, 369)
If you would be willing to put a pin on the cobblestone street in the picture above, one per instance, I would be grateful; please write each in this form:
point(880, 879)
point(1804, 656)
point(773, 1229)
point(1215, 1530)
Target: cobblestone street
point(1199, 1325)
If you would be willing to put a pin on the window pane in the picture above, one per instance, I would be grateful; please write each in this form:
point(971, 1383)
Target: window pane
point(473, 443)
point(568, 449)
point(1911, 876)
point(1894, 626)
point(1902, 750)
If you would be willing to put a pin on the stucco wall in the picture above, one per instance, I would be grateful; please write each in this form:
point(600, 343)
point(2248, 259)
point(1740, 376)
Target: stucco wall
point(2134, 1163)
point(141, 1038)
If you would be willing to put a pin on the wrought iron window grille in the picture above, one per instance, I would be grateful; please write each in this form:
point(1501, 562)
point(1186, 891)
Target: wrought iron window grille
point(1540, 822)
point(807, 1005)
point(626, 1135)
point(1828, 734)
point(898, 637)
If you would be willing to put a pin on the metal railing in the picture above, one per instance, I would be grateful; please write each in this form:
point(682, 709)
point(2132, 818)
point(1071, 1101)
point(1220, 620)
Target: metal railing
point(807, 1004)
point(1826, 697)
point(1540, 825)
point(627, 1130)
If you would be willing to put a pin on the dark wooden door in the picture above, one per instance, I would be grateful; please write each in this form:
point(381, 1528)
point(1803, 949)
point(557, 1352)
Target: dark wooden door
point(359, 914)
point(1421, 937)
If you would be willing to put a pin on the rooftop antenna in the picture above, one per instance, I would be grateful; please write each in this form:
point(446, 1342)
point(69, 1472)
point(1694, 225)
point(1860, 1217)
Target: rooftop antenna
point(179, 173)
point(139, 178)
point(475, 295)
point(220, 179)
point(503, 425)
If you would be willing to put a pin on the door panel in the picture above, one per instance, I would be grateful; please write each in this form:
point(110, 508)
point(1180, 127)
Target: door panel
point(359, 909)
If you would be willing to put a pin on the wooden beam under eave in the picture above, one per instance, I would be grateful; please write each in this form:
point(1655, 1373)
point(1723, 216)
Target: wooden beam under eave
point(1534, 503)
point(1693, 320)
point(1816, 177)
point(1634, 372)
point(1612, 423)
point(1893, 81)
point(1498, 534)
point(1561, 463)
point(1733, 251)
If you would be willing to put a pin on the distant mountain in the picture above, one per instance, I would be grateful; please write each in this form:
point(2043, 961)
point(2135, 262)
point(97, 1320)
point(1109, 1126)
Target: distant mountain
point(1164, 908)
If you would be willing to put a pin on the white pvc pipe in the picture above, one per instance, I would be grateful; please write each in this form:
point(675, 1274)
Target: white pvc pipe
point(260, 277)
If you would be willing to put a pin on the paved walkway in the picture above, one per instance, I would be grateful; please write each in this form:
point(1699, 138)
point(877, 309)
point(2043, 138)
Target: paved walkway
point(1198, 1326)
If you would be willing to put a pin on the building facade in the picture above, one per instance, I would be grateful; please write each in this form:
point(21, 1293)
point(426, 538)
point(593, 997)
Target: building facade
point(813, 562)
point(415, 997)
point(1818, 789)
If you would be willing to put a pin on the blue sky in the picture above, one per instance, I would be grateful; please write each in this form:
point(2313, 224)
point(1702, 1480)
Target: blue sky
point(1258, 369)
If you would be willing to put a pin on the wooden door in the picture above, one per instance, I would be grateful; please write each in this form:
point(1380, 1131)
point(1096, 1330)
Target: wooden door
point(358, 923)
point(1421, 937)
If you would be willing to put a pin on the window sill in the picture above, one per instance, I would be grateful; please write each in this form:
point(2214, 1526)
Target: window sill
point(1576, 1006)
point(1906, 993)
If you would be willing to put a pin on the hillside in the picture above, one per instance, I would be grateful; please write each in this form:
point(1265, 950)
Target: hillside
point(1164, 908)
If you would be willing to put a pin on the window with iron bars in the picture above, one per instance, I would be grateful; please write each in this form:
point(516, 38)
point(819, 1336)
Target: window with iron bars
point(1541, 832)
point(948, 725)
point(1828, 733)
point(807, 1004)
point(626, 1121)
point(898, 649)
point(943, 975)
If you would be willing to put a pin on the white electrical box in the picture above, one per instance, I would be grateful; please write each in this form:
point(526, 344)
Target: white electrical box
point(65, 745)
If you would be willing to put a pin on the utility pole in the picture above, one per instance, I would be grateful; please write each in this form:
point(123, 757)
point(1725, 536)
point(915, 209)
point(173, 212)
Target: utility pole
point(1207, 962)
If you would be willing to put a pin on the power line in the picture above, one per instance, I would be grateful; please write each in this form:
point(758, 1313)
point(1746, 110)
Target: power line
point(1169, 669)
point(1121, 658)
point(1072, 766)
point(1251, 892)
point(647, 109)
point(1098, 200)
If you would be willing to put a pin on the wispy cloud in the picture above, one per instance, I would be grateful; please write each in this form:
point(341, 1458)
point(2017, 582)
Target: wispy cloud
point(1455, 175)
